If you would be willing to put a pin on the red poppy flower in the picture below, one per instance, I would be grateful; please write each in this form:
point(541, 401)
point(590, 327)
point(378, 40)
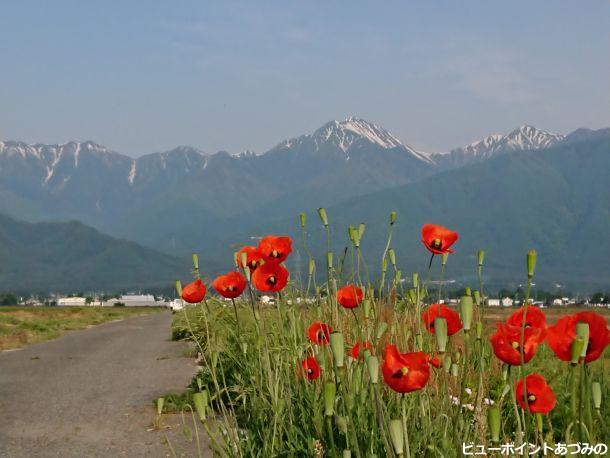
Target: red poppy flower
point(506, 342)
point(454, 322)
point(275, 249)
point(438, 239)
point(311, 368)
point(270, 278)
point(561, 335)
point(319, 333)
point(434, 361)
point(350, 296)
point(405, 372)
point(230, 285)
point(194, 292)
point(535, 318)
point(253, 257)
point(540, 396)
point(355, 351)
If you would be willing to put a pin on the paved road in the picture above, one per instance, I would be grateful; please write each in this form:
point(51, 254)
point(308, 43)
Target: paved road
point(88, 394)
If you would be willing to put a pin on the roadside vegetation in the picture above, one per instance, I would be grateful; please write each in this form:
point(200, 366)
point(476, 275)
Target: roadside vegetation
point(20, 326)
point(375, 368)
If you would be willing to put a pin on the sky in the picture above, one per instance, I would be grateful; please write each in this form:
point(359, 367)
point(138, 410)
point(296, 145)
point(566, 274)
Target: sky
point(142, 77)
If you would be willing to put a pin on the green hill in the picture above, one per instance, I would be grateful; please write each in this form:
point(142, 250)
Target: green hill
point(69, 257)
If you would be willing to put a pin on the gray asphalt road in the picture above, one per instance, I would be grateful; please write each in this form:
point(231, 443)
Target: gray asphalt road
point(89, 393)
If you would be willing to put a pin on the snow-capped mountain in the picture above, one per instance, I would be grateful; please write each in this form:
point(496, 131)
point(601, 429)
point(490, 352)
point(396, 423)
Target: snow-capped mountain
point(521, 139)
point(345, 136)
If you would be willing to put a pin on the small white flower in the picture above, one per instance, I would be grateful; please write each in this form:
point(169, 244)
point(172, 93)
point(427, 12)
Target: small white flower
point(469, 407)
point(489, 402)
point(455, 400)
point(468, 391)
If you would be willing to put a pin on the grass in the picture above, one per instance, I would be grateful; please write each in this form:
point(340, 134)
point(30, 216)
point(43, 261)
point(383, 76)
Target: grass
point(20, 326)
point(265, 408)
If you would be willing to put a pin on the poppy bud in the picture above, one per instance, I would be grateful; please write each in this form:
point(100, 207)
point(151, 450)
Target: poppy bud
point(196, 261)
point(329, 260)
point(493, 419)
point(577, 347)
point(341, 423)
point(312, 266)
point(201, 403)
point(330, 391)
point(477, 297)
point(440, 331)
point(397, 276)
point(397, 436)
point(160, 403)
point(532, 256)
point(372, 364)
point(244, 348)
point(479, 328)
point(481, 257)
point(361, 228)
point(351, 231)
point(384, 265)
point(303, 219)
point(179, 287)
point(199, 383)
point(347, 453)
point(466, 308)
point(582, 330)
point(447, 363)
point(468, 291)
point(444, 258)
point(504, 372)
point(596, 394)
point(455, 369)
point(381, 329)
point(323, 216)
point(415, 279)
point(392, 255)
point(338, 347)
point(366, 306)
point(248, 273)
point(392, 218)
point(412, 295)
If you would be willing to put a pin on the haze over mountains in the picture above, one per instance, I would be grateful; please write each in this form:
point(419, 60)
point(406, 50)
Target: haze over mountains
point(186, 199)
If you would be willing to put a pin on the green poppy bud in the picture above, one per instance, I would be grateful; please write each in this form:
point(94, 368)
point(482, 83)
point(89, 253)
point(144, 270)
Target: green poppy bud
point(468, 291)
point(481, 257)
point(392, 255)
point(596, 394)
point(381, 329)
point(366, 306)
point(338, 347)
point(466, 307)
point(201, 403)
point(160, 403)
point(397, 276)
point(248, 273)
point(504, 372)
point(494, 420)
point(199, 383)
point(196, 261)
point(329, 260)
point(244, 259)
point(479, 328)
point(440, 331)
point(455, 370)
point(397, 436)
point(341, 423)
point(330, 392)
point(303, 219)
point(312, 266)
point(179, 287)
point(372, 364)
point(384, 265)
point(532, 256)
point(415, 279)
point(392, 218)
point(244, 348)
point(412, 295)
point(361, 228)
point(323, 216)
point(447, 363)
point(347, 453)
point(351, 232)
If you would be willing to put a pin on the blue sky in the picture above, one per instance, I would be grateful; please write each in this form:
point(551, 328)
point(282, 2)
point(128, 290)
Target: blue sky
point(146, 76)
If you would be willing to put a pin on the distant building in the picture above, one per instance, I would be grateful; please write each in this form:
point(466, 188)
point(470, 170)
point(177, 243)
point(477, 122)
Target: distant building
point(493, 302)
point(72, 301)
point(136, 300)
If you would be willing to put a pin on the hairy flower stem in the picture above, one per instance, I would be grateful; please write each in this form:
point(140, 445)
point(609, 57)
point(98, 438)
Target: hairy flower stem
point(522, 352)
point(404, 426)
point(236, 318)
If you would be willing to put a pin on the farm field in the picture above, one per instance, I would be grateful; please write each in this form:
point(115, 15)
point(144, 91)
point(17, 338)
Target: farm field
point(20, 326)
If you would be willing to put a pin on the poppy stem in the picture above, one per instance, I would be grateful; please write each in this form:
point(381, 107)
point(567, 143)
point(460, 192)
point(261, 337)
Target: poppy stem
point(236, 318)
point(404, 426)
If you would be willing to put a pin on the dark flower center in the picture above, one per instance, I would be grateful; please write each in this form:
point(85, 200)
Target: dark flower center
point(276, 254)
point(531, 398)
point(321, 336)
point(272, 279)
point(437, 243)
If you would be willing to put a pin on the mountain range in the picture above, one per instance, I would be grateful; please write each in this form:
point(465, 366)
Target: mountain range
point(186, 199)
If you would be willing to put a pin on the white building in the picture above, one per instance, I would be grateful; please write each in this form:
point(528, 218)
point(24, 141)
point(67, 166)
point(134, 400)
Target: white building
point(136, 300)
point(493, 302)
point(71, 301)
point(507, 302)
